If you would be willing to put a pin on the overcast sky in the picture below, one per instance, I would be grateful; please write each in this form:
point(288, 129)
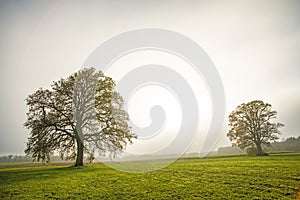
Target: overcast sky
point(255, 46)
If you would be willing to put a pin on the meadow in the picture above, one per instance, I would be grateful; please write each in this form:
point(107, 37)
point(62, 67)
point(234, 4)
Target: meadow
point(238, 177)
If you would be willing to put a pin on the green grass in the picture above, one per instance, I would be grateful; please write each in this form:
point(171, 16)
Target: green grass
point(12, 163)
point(273, 177)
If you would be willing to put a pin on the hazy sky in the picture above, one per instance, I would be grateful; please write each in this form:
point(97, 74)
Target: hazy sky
point(255, 46)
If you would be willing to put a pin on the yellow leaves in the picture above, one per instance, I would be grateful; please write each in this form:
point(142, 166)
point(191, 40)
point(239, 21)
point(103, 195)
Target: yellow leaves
point(250, 124)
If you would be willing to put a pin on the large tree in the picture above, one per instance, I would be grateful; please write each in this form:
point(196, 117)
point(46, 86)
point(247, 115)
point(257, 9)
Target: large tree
point(251, 126)
point(80, 114)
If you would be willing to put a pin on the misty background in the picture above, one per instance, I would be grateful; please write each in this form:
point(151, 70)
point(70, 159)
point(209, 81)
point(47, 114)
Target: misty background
point(254, 45)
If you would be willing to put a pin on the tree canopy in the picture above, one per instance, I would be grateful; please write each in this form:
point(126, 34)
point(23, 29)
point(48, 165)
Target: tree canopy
point(83, 109)
point(251, 126)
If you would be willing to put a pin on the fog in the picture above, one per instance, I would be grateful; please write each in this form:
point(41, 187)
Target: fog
point(254, 45)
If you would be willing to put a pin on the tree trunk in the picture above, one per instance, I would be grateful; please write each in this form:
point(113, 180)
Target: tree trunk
point(259, 150)
point(79, 158)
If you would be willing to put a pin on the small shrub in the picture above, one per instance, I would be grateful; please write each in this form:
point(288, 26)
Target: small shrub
point(252, 151)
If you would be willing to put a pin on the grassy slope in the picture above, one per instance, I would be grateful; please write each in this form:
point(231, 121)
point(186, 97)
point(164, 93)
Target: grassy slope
point(273, 177)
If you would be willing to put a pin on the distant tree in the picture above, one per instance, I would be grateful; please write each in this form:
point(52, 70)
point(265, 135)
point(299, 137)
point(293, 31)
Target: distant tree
point(81, 109)
point(251, 126)
point(292, 139)
point(289, 144)
point(10, 158)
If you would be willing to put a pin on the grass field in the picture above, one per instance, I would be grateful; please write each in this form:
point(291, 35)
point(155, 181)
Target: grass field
point(273, 177)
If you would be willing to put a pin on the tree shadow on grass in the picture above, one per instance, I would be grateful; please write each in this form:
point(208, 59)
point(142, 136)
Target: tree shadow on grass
point(17, 175)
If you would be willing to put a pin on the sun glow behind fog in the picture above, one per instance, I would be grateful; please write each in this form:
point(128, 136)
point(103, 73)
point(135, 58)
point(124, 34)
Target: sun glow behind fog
point(145, 97)
point(139, 109)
